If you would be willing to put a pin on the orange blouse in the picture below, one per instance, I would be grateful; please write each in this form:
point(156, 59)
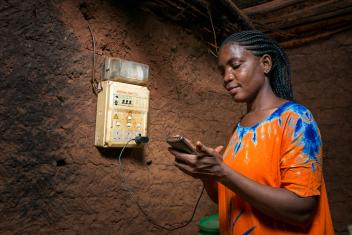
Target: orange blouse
point(283, 151)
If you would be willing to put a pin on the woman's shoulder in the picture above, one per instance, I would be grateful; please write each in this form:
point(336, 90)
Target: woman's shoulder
point(294, 108)
point(295, 113)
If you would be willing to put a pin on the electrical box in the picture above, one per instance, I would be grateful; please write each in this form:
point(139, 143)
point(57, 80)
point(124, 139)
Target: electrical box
point(122, 107)
point(122, 112)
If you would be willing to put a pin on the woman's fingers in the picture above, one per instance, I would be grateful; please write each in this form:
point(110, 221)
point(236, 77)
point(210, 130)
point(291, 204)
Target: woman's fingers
point(201, 165)
point(219, 148)
point(189, 159)
point(202, 148)
point(185, 168)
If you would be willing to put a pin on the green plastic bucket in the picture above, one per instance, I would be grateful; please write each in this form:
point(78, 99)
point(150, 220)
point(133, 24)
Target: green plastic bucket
point(209, 225)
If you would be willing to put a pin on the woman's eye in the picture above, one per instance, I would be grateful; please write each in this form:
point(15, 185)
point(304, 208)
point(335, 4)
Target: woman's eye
point(235, 66)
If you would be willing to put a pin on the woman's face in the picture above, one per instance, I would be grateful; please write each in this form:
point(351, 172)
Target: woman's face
point(242, 71)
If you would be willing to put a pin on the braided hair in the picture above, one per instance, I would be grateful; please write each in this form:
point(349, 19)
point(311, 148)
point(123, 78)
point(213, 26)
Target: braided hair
point(260, 44)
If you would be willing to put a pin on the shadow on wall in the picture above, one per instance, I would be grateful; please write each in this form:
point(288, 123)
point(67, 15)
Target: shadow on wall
point(36, 54)
point(52, 178)
point(134, 154)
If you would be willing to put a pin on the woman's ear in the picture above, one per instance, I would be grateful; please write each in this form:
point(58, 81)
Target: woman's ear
point(267, 63)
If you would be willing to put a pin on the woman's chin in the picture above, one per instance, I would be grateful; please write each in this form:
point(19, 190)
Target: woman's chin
point(239, 99)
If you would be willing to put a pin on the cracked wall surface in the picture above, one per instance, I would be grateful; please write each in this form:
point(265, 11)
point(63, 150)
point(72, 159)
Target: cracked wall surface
point(52, 178)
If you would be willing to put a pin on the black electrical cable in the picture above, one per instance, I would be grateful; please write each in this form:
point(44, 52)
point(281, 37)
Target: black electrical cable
point(149, 219)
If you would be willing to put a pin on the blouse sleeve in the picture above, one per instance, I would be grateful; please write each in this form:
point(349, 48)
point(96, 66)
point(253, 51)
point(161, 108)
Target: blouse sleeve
point(301, 155)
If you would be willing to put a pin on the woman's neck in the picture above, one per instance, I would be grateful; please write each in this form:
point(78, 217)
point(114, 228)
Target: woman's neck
point(264, 100)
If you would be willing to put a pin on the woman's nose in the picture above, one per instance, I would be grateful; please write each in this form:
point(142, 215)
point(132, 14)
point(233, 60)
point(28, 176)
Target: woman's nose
point(228, 75)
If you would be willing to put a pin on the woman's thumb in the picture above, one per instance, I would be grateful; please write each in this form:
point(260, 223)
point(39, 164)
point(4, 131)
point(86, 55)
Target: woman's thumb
point(219, 148)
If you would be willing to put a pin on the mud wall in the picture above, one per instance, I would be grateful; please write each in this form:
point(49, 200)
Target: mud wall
point(322, 81)
point(52, 178)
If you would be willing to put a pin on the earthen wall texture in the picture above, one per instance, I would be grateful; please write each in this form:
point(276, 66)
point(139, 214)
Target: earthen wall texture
point(322, 80)
point(52, 178)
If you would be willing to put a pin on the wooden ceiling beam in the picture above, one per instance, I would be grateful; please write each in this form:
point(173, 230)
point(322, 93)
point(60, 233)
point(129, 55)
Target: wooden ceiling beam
point(302, 41)
point(269, 6)
point(242, 18)
point(222, 17)
point(194, 8)
point(308, 30)
point(317, 12)
point(322, 26)
point(315, 18)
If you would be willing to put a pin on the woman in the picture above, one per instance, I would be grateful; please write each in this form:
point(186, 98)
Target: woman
point(269, 180)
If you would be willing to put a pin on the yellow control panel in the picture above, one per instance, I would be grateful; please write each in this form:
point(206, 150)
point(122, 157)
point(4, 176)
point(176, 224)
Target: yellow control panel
point(122, 112)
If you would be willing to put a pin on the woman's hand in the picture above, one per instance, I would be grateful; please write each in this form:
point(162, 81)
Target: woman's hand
point(206, 164)
point(281, 203)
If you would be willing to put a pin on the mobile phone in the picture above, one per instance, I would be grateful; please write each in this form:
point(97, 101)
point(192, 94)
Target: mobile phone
point(181, 144)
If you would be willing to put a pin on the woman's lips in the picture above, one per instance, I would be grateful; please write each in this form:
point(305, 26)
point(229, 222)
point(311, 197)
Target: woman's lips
point(233, 90)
